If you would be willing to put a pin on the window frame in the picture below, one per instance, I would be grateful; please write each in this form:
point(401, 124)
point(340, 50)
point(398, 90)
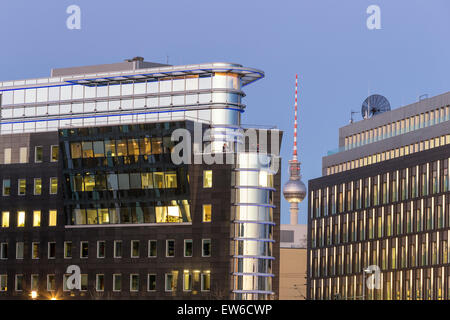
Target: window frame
point(131, 282)
point(156, 249)
point(192, 249)
point(148, 282)
point(104, 248)
point(50, 186)
point(115, 249)
point(167, 248)
point(35, 154)
point(51, 153)
point(203, 248)
point(48, 250)
point(81, 249)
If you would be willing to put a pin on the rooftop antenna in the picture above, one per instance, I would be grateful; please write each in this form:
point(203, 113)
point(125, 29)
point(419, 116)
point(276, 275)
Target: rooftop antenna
point(351, 115)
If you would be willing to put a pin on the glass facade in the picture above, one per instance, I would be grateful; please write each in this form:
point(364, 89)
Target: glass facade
point(124, 180)
point(402, 226)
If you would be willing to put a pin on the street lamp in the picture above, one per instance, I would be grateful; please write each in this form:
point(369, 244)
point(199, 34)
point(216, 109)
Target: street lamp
point(33, 295)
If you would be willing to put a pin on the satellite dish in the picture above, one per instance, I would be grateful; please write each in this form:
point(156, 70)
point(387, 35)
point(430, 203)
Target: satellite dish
point(373, 105)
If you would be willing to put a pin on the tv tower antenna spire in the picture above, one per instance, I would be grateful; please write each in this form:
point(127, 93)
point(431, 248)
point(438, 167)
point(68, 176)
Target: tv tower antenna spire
point(294, 190)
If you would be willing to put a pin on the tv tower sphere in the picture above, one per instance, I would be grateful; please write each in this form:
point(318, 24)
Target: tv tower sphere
point(294, 190)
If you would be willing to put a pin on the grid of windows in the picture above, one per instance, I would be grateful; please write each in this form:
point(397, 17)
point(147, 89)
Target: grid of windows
point(402, 126)
point(396, 220)
point(390, 154)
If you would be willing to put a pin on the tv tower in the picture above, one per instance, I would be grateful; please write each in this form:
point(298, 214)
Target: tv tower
point(294, 190)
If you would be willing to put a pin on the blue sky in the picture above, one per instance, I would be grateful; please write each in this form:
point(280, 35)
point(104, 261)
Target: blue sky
point(325, 41)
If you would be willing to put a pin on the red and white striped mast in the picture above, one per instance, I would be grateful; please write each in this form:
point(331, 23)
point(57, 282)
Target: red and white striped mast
point(294, 190)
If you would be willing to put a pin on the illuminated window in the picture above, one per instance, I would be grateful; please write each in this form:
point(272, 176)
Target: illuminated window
point(103, 216)
point(171, 179)
point(23, 155)
point(22, 187)
point(52, 216)
point(89, 182)
point(51, 282)
point(54, 154)
point(88, 151)
point(151, 282)
point(5, 219)
point(110, 148)
point(117, 282)
point(135, 248)
point(21, 219)
point(6, 187)
point(37, 186)
point(100, 282)
point(187, 281)
point(188, 248)
point(133, 147)
point(53, 185)
point(75, 150)
point(158, 180)
point(121, 148)
point(7, 156)
point(38, 154)
point(134, 282)
point(170, 248)
point(36, 218)
point(206, 247)
point(35, 250)
point(84, 282)
point(147, 180)
point(207, 178)
point(206, 213)
point(34, 282)
point(206, 281)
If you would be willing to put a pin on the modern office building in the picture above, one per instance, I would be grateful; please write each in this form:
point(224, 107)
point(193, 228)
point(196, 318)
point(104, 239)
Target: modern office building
point(379, 217)
point(89, 180)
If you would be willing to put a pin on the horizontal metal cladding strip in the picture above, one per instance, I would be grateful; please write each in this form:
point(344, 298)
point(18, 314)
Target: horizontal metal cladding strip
point(252, 75)
point(255, 205)
point(253, 291)
point(172, 108)
point(248, 76)
point(257, 170)
point(106, 115)
point(165, 224)
point(255, 222)
point(254, 274)
point(254, 187)
point(124, 97)
point(254, 239)
point(254, 257)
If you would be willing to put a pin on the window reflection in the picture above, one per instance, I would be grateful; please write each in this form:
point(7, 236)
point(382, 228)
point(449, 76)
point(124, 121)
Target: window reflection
point(172, 212)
